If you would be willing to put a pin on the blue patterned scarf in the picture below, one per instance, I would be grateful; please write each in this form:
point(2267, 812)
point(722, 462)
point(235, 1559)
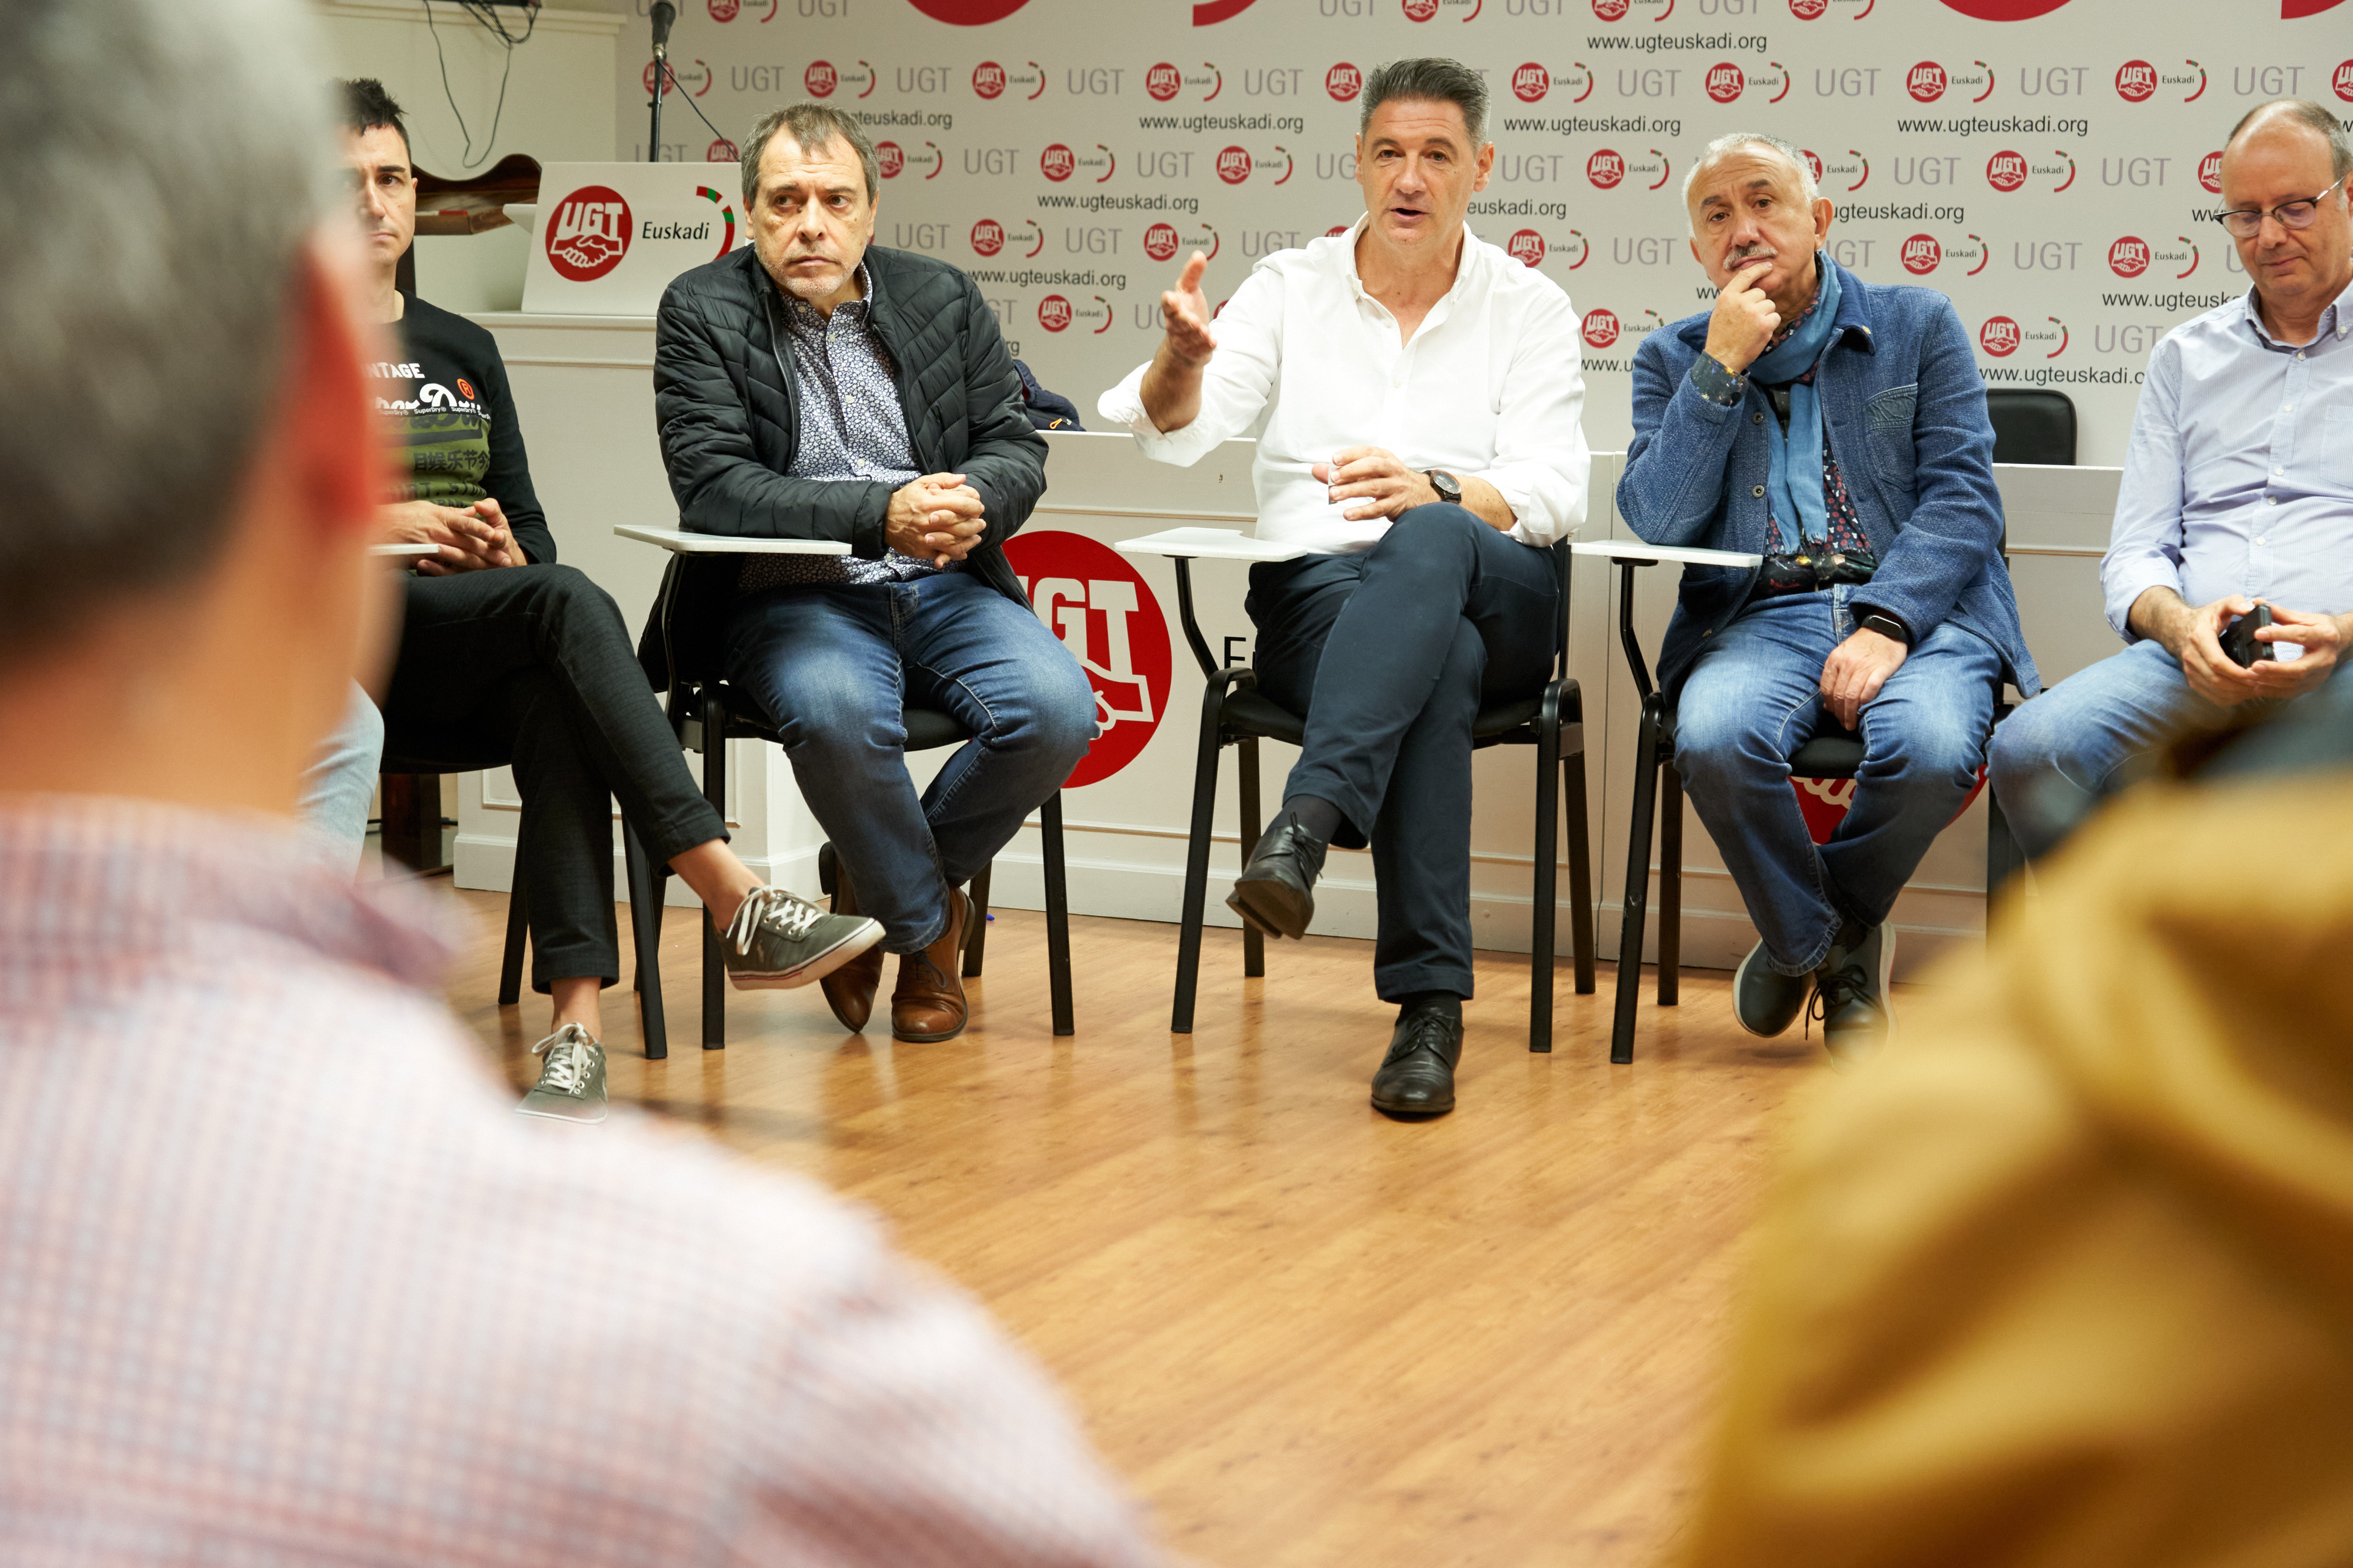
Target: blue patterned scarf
point(1797, 477)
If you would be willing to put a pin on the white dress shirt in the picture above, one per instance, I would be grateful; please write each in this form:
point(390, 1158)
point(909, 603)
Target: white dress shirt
point(2239, 477)
point(1490, 387)
point(284, 1280)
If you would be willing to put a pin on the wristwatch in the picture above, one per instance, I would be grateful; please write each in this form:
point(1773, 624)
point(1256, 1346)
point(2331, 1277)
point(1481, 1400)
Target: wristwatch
point(1886, 626)
point(1449, 488)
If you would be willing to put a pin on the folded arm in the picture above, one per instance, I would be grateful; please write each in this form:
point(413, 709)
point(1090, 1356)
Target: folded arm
point(1673, 483)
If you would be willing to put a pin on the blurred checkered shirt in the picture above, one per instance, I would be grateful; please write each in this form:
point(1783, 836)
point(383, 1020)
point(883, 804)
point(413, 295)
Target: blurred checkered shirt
point(283, 1280)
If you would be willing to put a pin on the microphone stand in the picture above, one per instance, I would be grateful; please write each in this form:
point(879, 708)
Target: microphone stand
point(661, 76)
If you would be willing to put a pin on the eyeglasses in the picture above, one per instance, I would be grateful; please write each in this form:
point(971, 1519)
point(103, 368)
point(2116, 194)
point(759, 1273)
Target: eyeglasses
point(2248, 222)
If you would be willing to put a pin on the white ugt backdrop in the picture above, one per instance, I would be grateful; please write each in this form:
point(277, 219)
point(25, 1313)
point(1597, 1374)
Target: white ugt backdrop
point(2048, 163)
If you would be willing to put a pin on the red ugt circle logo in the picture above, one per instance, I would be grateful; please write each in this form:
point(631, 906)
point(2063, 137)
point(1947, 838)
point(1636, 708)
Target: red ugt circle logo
point(1921, 255)
point(2342, 81)
point(988, 236)
point(1109, 619)
point(590, 233)
point(1724, 81)
point(1053, 312)
point(892, 157)
point(1160, 241)
point(1604, 168)
point(1058, 162)
point(1420, 10)
point(1926, 82)
point(2135, 80)
point(1344, 82)
point(1527, 248)
point(725, 10)
point(988, 79)
point(1162, 81)
point(2128, 256)
point(1531, 82)
point(2006, 171)
point(1600, 328)
point(1999, 337)
point(1611, 10)
point(1809, 10)
point(2210, 169)
point(820, 78)
point(1233, 164)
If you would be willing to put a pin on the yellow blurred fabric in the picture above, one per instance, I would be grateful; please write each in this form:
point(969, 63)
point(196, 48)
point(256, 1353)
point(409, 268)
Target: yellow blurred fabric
point(2065, 1275)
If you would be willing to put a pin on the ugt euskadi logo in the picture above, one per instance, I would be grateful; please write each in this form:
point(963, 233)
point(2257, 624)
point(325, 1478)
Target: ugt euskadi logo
point(1109, 619)
point(589, 233)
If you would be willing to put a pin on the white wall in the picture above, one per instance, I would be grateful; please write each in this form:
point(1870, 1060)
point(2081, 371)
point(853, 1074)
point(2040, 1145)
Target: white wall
point(559, 107)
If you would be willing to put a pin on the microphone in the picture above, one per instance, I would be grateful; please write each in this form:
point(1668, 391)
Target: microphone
point(664, 14)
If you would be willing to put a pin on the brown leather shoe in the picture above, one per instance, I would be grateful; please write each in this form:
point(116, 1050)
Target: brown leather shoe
point(850, 990)
point(928, 1003)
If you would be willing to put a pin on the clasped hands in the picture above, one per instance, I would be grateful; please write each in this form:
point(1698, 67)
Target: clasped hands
point(1378, 479)
point(937, 517)
point(467, 538)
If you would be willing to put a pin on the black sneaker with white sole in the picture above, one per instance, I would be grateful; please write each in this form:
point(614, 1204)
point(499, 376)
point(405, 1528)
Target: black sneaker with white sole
point(777, 941)
point(1764, 1000)
point(571, 1087)
point(1851, 998)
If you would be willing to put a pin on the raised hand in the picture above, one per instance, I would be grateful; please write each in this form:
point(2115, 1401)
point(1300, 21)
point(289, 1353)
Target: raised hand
point(1745, 319)
point(1184, 314)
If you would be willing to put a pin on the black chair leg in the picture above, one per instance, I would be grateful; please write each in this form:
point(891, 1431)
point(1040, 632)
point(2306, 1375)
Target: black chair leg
point(1580, 871)
point(1253, 940)
point(646, 892)
point(1196, 865)
point(714, 790)
point(976, 948)
point(1638, 889)
point(1670, 884)
point(518, 930)
point(1058, 913)
point(1542, 907)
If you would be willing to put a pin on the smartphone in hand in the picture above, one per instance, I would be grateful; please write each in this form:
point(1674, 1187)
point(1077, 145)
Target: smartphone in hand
point(2238, 639)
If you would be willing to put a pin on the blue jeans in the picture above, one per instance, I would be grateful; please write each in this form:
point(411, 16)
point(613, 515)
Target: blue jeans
point(1754, 697)
point(340, 782)
point(834, 665)
point(2058, 756)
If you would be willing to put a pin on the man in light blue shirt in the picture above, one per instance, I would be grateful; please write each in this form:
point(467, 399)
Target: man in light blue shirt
point(2238, 490)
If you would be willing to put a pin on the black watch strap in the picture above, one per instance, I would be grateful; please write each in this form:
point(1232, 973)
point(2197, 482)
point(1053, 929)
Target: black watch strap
point(1887, 625)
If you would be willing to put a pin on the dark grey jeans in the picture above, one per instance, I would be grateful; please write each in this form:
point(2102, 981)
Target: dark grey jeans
point(1388, 653)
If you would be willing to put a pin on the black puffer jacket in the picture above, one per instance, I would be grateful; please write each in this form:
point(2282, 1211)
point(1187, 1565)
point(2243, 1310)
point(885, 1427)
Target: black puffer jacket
point(723, 400)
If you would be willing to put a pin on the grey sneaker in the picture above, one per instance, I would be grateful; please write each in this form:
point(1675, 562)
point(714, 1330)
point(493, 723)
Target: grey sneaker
point(1766, 1001)
point(1851, 998)
point(777, 941)
point(571, 1087)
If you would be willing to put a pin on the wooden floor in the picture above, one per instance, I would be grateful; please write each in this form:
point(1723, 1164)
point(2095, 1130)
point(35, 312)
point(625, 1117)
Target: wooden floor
point(1306, 1334)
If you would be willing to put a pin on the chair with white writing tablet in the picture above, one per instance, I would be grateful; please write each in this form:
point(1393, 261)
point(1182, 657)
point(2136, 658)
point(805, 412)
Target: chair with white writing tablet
point(1234, 712)
point(1659, 793)
point(707, 711)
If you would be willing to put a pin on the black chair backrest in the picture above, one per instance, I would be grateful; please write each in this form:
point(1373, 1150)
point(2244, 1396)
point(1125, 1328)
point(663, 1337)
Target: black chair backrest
point(2032, 425)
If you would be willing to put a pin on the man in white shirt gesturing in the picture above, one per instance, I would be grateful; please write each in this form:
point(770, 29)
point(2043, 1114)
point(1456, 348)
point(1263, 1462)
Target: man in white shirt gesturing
point(1423, 392)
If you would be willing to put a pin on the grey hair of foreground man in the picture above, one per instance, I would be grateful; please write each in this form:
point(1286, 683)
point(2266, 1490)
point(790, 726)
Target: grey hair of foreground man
point(1746, 140)
point(2311, 117)
point(144, 273)
point(811, 126)
point(1429, 80)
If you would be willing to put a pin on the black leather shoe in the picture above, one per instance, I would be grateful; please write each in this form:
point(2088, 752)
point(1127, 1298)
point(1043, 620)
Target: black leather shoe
point(1416, 1078)
point(1276, 891)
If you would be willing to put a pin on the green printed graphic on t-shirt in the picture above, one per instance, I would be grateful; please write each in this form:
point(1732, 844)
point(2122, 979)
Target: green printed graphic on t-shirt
point(447, 451)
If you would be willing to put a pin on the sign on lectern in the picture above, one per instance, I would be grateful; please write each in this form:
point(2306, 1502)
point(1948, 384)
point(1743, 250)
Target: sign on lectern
point(612, 235)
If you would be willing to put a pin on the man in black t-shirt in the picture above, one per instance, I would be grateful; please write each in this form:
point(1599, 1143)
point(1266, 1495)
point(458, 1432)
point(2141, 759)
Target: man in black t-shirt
point(509, 659)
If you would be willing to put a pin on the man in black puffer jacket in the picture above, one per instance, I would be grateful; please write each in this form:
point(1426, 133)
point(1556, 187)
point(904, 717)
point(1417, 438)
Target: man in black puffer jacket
point(812, 387)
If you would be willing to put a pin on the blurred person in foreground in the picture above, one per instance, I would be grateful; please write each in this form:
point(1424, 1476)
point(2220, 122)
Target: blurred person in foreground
point(282, 1281)
point(2237, 491)
point(2066, 1278)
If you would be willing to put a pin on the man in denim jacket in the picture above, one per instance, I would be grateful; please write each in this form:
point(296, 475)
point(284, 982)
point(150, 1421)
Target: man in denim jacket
point(1839, 429)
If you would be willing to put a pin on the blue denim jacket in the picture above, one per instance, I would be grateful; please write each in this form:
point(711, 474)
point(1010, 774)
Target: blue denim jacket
point(1904, 414)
